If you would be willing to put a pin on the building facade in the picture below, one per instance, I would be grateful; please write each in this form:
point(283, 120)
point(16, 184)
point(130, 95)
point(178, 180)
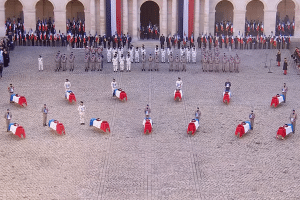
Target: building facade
point(170, 16)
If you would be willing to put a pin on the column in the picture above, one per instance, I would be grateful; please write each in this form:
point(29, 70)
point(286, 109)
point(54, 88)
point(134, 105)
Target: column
point(211, 24)
point(197, 19)
point(269, 21)
point(297, 23)
point(92, 17)
point(102, 17)
point(29, 19)
point(207, 16)
point(87, 15)
point(239, 17)
point(164, 16)
point(2, 20)
point(125, 16)
point(134, 20)
point(60, 20)
point(174, 18)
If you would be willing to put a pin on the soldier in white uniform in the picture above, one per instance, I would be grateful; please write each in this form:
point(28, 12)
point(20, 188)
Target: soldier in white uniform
point(67, 85)
point(115, 63)
point(128, 62)
point(182, 51)
point(122, 63)
point(179, 83)
point(163, 55)
point(114, 51)
point(143, 50)
point(143, 62)
point(108, 54)
point(136, 55)
point(71, 61)
point(188, 54)
point(113, 86)
point(40, 60)
point(156, 50)
point(194, 55)
point(81, 110)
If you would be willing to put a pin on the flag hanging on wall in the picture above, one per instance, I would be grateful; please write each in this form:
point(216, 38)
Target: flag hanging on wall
point(186, 17)
point(113, 17)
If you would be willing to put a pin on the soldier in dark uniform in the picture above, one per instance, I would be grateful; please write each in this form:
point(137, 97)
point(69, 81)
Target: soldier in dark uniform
point(199, 41)
point(162, 40)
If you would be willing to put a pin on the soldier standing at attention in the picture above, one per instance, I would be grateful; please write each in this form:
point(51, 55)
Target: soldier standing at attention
point(150, 59)
point(71, 61)
point(93, 62)
point(284, 90)
point(163, 55)
point(81, 110)
point(183, 62)
point(285, 65)
point(122, 63)
point(128, 62)
point(156, 61)
point(143, 62)
point(278, 58)
point(86, 62)
point(10, 91)
point(7, 117)
point(45, 112)
point(227, 86)
point(252, 117)
point(171, 60)
point(57, 61)
point(64, 62)
point(136, 55)
point(293, 118)
point(179, 84)
point(115, 63)
point(40, 59)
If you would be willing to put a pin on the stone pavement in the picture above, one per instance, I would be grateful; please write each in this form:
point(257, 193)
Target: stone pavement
point(167, 164)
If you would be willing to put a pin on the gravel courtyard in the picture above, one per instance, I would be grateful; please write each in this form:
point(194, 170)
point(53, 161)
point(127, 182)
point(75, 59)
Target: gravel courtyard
point(167, 164)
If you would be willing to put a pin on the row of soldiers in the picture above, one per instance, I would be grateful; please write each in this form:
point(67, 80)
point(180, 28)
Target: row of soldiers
point(224, 28)
point(61, 61)
point(254, 28)
point(211, 62)
point(93, 59)
point(245, 42)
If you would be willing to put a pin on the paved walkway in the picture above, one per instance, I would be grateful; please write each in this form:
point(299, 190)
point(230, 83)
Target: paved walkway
point(167, 164)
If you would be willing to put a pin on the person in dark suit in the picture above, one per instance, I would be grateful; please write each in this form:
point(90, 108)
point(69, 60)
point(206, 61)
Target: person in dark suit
point(162, 40)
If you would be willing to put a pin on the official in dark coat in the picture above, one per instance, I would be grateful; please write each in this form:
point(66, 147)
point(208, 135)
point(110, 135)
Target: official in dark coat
point(6, 58)
point(285, 65)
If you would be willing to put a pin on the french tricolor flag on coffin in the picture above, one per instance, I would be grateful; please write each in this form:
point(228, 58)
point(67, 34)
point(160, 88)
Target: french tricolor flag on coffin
point(98, 123)
point(186, 17)
point(113, 17)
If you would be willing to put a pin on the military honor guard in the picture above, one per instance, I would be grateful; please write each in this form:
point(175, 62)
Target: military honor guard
point(122, 63)
point(194, 54)
point(156, 58)
point(113, 86)
point(108, 54)
point(285, 65)
point(115, 63)
point(128, 63)
point(64, 62)
point(71, 61)
point(171, 61)
point(57, 61)
point(11, 90)
point(86, 62)
point(163, 55)
point(278, 58)
point(136, 55)
point(150, 60)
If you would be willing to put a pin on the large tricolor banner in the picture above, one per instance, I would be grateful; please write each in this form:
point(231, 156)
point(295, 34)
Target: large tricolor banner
point(113, 17)
point(186, 17)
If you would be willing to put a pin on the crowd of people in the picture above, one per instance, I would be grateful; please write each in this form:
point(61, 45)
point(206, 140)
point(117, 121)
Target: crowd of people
point(284, 26)
point(149, 32)
point(4, 55)
point(224, 28)
point(254, 28)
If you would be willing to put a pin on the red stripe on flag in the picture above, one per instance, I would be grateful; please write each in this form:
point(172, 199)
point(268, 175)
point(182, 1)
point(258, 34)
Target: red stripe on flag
point(191, 16)
point(119, 16)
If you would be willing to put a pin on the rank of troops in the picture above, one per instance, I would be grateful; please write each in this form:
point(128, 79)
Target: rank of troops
point(61, 61)
point(211, 62)
point(224, 28)
point(254, 28)
point(149, 32)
